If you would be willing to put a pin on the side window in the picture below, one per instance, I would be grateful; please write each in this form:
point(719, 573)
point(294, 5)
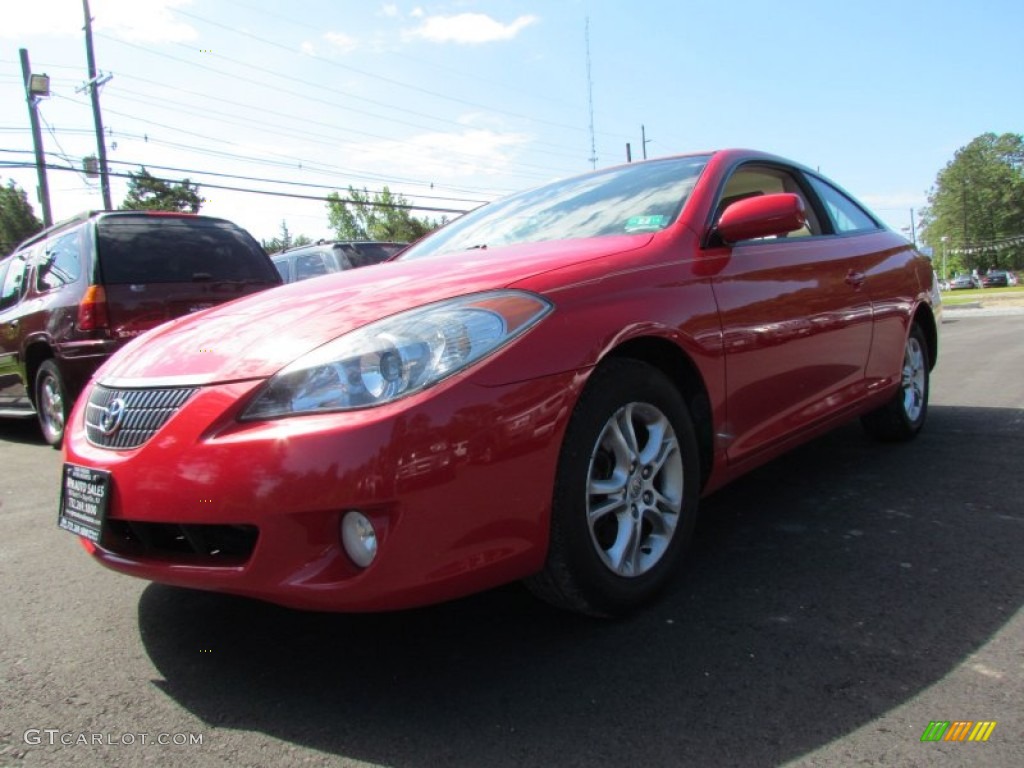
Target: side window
point(753, 181)
point(846, 215)
point(3, 274)
point(282, 268)
point(14, 284)
point(310, 265)
point(347, 256)
point(61, 263)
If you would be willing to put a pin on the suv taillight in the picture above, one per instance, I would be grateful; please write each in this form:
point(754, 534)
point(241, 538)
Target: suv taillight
point(92, 310)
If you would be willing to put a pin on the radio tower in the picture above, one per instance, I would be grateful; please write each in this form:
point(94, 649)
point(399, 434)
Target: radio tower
point(590, 99)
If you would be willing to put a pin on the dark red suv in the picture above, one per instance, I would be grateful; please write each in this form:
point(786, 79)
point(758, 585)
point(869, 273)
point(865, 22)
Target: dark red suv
point(81, 289)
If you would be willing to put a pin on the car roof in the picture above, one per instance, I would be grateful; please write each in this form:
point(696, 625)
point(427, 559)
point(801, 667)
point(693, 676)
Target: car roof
point(84, 216)
point(333, 244)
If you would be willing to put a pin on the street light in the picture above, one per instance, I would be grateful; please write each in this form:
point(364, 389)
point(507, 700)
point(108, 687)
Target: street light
point(39, 85)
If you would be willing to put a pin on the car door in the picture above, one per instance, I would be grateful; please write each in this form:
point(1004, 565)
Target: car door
point(13, 285)
point(796, 320)
point(859, 236)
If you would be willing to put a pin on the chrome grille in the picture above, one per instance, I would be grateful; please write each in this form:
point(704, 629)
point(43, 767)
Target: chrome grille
point(127, 418)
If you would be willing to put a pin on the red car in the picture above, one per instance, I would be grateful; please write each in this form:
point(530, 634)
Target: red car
point(542, 390)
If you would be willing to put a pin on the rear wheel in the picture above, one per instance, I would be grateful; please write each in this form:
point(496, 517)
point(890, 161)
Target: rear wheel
point(903, 416)
point(626, 492)
point(51, 402)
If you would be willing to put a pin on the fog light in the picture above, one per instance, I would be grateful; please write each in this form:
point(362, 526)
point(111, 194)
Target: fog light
point(358, 538)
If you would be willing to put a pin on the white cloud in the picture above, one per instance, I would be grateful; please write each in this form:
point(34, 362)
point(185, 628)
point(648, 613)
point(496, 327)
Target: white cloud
point(481, 120)
point(417, 13)
point(468, 28)
point(390, 10)
point(307, 48)
point(148, 22)
point(442, 156)
point(345, 43)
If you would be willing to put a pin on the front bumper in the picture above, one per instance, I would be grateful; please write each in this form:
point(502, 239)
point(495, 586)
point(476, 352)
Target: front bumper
point(457, 481)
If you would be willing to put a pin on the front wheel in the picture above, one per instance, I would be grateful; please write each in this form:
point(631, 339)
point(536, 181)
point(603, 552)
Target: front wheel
point(903, 416)
point(626, 492)
point(51, 402)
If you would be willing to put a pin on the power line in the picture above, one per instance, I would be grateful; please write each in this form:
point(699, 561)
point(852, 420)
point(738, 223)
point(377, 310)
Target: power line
point(372, 75)
point(277, 130)
point(305, 166)
point(292, 92)
point(293, 195)
point(536, 94)
point(261, 179)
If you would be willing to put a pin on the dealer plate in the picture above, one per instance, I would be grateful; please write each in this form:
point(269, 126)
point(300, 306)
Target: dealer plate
point(83, 501)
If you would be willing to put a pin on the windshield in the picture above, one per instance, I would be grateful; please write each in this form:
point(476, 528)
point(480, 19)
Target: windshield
point(644, 197)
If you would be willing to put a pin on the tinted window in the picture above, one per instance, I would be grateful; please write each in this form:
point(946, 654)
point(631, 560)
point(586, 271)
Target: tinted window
point(365, 254)
point(3, 274)
point(13, 283)
point(643, 197)
point(61, 263)
point(281, 265)
point(310, 265)
point(157, 249)
point(846, 215)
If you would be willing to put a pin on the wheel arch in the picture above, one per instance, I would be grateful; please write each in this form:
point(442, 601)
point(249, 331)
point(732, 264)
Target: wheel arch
point(681, 370)
point(36, 354)
point(925, 318)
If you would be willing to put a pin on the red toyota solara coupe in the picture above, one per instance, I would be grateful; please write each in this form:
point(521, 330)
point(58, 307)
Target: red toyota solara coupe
point(542, 390)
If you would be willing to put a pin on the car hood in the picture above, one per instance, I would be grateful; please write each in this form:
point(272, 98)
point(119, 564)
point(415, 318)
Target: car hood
point(256, 336)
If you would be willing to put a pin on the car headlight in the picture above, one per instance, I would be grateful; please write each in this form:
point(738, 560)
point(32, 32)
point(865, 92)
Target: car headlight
point(398, 355)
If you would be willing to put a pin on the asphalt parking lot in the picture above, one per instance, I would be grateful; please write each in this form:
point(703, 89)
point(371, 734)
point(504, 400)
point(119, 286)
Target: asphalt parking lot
point(836, 601)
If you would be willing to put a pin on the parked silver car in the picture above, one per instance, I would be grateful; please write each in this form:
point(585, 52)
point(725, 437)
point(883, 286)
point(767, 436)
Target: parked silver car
point(325, 257)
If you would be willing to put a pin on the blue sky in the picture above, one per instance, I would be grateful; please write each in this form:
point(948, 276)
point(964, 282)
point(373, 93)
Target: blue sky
point(457, 102)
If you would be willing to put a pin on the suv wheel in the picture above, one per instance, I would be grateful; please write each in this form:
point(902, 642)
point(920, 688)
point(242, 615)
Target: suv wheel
point(51, 402)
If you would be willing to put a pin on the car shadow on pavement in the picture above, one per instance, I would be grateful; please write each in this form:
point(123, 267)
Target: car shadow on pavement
point(822, 590)
point(21, 430)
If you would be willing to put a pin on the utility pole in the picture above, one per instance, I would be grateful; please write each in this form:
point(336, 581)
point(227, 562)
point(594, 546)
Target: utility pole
point(590, 98)
point(94, 90)
point(32, 96)
point(629, 153)
point(964, 189)
point(644, 141)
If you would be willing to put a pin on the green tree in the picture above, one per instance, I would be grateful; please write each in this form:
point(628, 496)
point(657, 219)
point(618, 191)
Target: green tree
point(148, 193)
point(17, 219)
point(977, 205)
point(381, 216)
point(284, 239)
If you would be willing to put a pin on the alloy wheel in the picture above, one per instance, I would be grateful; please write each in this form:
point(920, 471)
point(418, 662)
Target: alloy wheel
point(635, 489)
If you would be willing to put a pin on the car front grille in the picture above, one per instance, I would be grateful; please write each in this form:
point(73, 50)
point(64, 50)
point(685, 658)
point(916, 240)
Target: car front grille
point(193, 544)
point(127, 418)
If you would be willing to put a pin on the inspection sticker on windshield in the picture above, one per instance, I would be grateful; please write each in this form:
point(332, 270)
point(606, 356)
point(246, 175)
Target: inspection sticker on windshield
point(83, 501)
point(646, 223)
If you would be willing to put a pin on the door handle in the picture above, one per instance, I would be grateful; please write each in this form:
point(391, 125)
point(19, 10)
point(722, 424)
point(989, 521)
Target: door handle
point(855, 279)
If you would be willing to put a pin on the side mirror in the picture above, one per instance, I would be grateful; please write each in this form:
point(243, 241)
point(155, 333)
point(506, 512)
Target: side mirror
point(762, 216)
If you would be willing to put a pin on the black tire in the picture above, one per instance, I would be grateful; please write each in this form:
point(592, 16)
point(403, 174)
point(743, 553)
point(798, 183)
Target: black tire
point(620, 519)
point(904, 415)
point(52, 404)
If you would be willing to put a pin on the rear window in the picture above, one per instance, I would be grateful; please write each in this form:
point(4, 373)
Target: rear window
point(365, 254)
point(157, 249)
